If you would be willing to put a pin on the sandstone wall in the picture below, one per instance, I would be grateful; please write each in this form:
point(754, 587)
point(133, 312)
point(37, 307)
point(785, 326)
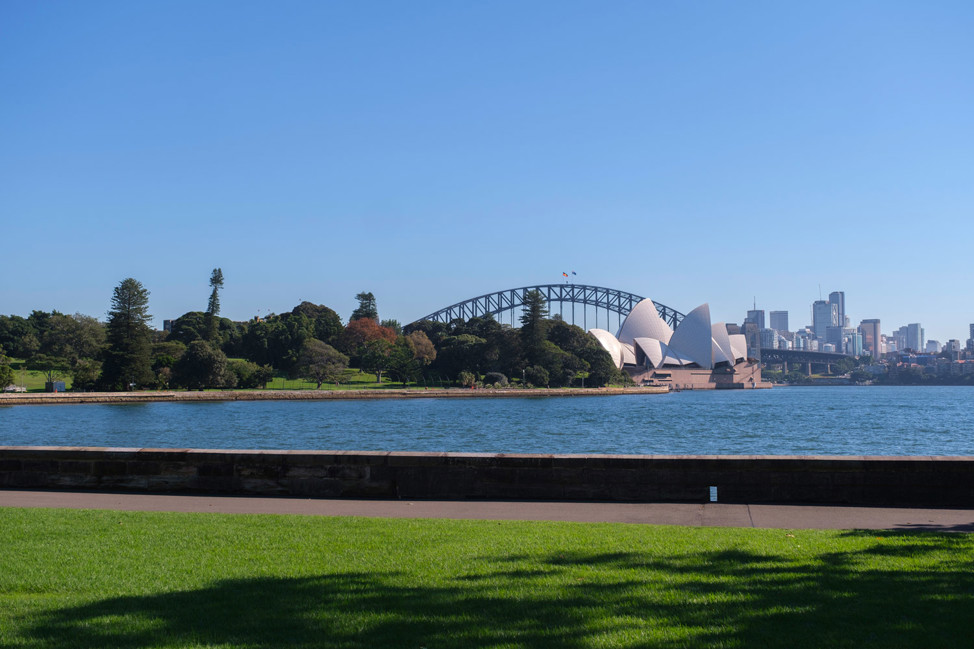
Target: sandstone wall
point(880, 481)
point(22, 399)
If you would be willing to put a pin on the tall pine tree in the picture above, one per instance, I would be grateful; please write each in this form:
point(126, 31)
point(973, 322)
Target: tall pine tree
point(366, 308)
point(128, 359)
point(534, 324)
point(211, 322)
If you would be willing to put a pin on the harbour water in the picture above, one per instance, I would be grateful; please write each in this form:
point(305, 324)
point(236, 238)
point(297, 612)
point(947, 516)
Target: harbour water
point(782, 421)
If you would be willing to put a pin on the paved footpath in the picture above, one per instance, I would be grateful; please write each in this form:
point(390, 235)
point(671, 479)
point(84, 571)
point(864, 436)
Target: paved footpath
point(710, 514)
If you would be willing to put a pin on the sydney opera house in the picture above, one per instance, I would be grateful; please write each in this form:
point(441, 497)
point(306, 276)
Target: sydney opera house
point(697, 355)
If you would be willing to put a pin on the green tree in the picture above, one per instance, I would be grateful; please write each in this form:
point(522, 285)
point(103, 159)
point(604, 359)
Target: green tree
point(537, 376)
point(263, 375)
point(534, 326)
point(53, 367)
point(326, 324)
point(375, 357)
point(128, 357)
point(458, 353)
point(402, 361)
point(216, 283)
point(6, 373)
point(188, 327)
point(18, 336)
point(203, 366)
point(212, 327)
point(84, 374)
point(366, 308)
point(423, 349)
point(73, 337)
point(248, 374)
point(321, 363)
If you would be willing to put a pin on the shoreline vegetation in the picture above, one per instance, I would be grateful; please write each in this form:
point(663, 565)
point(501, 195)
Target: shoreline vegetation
point(201, 350)
point(47, 398)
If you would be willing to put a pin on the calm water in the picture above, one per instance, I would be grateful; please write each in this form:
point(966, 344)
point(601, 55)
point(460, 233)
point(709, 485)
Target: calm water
point(782, 421)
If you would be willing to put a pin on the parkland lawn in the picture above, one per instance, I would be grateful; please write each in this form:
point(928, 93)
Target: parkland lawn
point(126, 579)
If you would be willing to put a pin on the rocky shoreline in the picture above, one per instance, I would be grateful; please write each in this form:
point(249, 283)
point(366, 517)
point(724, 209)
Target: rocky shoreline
point(21, 399)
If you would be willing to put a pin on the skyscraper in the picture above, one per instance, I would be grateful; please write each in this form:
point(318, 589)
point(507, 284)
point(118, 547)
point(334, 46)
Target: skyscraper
point(838, 299)
point(757, 317)
point(824, 315)
point(779, 320)
point(872, 340)
point(914, 337)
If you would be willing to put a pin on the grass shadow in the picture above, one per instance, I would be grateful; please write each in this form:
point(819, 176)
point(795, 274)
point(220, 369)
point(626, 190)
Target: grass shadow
point(876, 597)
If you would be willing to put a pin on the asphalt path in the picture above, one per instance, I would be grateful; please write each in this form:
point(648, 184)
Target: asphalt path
point(689, 514)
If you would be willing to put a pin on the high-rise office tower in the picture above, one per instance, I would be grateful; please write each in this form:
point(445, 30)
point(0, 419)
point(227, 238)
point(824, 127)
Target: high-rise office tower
point(838, 299)
point(824, 315)
point(779, 320)
point(872, 340)
point(914, 337)
point(757, 317)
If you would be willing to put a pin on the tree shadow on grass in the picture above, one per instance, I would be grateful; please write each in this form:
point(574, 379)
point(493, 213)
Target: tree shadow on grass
point(875, 597)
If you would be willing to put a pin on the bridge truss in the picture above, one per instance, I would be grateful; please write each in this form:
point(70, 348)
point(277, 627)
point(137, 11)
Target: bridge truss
point(604, 301)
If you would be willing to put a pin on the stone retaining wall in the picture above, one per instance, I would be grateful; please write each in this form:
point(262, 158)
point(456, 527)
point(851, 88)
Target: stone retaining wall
point(22, 399)
point(878, 481)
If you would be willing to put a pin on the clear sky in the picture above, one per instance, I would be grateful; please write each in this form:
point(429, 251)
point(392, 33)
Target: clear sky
point(434, 151)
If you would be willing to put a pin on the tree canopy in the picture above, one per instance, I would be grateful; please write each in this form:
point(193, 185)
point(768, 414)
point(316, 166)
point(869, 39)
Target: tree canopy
point(366, 308)
point(6, 373)
point(321, 363)
point(128, 358)
point(216, 283)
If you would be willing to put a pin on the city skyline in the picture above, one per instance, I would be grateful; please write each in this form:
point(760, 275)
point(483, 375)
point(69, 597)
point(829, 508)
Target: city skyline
point(433, 153)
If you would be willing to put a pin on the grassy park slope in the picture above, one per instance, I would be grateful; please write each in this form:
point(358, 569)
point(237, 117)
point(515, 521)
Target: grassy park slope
point(125, 579)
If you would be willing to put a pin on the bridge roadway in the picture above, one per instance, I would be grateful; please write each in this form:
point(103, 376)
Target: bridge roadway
point(807, 358)
point(799, 356)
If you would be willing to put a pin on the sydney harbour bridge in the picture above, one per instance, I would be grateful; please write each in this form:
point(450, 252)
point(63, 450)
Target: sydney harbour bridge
point(578, 304)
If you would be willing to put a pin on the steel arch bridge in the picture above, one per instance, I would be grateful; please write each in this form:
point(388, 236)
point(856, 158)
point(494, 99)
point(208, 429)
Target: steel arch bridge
point(605, 300)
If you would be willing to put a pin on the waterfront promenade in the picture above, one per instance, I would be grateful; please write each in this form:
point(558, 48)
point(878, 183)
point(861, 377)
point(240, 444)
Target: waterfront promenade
point(686, 514)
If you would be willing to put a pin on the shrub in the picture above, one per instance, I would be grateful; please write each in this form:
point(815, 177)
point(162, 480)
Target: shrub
point(536, 376)
point(496, 379)
point(467, 379)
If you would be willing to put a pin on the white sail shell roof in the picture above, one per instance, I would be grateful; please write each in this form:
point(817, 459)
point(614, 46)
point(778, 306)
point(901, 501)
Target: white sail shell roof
point(655, 350)
point(722, 344)
point(739, 346)
point(644, 322)
point(610, 343)
point(693, 339)
point(628, 353)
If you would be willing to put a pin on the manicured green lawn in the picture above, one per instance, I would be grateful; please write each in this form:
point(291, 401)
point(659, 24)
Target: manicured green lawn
point(352, 379)
point(122, 579)
point(33, 380)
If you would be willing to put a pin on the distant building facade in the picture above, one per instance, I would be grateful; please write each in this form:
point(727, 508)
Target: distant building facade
point(757, 317)
point(824, 315)
point(779, 321)
point(837, 298)
point(872, 339)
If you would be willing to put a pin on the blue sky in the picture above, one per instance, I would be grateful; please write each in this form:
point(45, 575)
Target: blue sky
point(433, 151)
